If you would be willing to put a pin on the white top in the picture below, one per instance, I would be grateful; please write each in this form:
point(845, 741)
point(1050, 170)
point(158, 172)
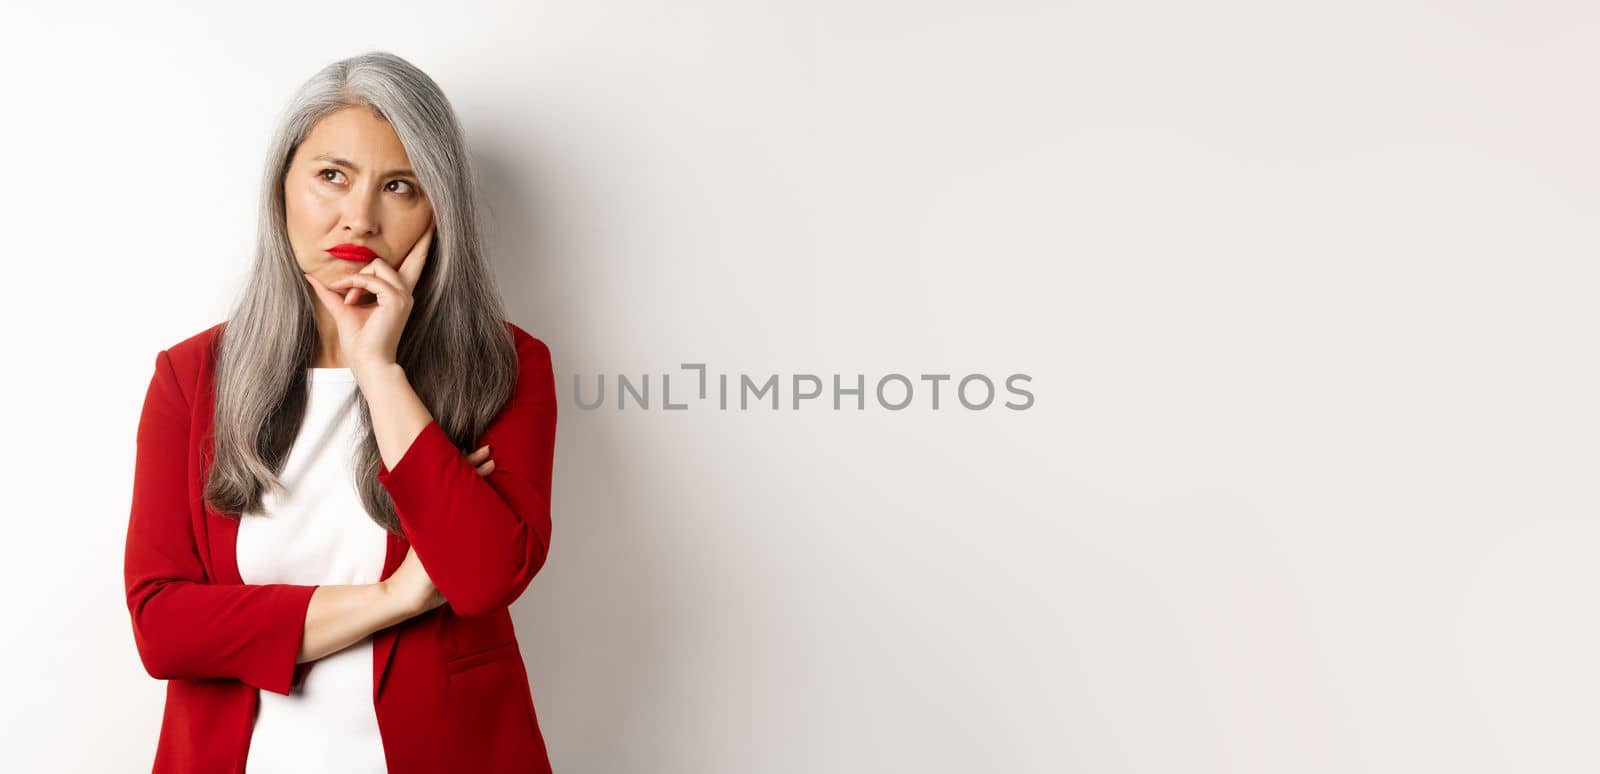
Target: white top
point(318, 534)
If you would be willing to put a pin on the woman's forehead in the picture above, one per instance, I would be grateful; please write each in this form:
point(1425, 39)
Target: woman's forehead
point(357, 138)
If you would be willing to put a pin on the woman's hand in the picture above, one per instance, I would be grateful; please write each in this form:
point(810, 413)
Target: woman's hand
point(369, 334)
point(411, 587)
point(409, 583)
point(480, 459)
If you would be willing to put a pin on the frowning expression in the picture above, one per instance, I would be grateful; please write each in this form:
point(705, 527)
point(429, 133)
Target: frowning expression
point(350, 189)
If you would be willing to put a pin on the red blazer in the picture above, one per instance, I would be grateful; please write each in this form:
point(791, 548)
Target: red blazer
point(449, 686)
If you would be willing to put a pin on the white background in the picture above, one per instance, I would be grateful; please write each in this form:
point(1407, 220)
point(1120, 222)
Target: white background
point(1306, 292)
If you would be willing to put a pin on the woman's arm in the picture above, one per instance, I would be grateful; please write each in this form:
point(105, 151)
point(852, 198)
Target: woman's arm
point(340, 616)
point(482, 539)
point(187, 627)
point(184, 625)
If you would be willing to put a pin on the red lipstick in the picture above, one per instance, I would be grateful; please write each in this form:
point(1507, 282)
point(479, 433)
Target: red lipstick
point(350, 252)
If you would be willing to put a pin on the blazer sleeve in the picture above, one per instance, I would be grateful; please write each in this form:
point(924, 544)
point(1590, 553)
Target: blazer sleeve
point(185, 625)
point(482, 539)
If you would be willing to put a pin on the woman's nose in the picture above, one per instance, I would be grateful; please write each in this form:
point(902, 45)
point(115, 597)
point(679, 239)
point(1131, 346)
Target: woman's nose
point(360, 212)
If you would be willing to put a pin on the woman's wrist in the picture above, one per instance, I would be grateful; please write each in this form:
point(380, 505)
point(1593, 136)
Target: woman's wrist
point(398, 602)
point(372, 374)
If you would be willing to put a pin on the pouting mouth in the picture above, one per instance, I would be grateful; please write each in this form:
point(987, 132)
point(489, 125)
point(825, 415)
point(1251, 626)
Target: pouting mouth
point(352, 252)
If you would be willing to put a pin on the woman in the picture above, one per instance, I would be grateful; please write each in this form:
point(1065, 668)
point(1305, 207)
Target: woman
point(313, 564)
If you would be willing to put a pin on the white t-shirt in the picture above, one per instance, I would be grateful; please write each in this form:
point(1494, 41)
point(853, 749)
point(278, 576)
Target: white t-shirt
point(318, 534)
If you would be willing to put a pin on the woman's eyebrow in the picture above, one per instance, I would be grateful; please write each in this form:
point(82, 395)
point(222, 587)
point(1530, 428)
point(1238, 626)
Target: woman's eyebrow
point(345, 163)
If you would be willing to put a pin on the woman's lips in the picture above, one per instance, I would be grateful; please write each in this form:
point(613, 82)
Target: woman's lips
point(351, 252)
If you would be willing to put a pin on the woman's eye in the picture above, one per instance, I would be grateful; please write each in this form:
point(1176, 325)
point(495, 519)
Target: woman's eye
point(323, 175)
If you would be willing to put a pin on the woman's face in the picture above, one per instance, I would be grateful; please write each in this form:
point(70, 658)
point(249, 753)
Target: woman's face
point(350, 182)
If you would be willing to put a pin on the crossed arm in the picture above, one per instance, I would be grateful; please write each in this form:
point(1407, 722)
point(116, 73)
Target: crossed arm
point(481, 538)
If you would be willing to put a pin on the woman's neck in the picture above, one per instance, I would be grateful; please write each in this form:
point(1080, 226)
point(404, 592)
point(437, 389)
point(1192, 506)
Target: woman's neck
point(328, 354)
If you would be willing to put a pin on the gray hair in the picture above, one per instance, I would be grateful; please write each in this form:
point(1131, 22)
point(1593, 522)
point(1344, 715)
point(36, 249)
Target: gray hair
point(456, 349)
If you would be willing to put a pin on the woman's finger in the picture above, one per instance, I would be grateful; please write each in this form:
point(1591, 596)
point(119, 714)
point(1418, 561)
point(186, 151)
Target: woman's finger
point(328, 298)
point(366, 281)
point(411, 267)
point(387, 293)
point(354, 295)
point(480, 460)
point(382, 269)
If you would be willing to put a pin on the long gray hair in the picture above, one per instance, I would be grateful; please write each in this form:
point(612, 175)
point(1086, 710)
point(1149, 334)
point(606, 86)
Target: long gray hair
point(456, 349)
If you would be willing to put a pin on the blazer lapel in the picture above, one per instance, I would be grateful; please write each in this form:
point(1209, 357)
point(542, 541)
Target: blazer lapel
point(221, 533)
point(383, 639)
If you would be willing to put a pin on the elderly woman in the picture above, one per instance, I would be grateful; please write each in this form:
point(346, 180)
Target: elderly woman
point(314, 564)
